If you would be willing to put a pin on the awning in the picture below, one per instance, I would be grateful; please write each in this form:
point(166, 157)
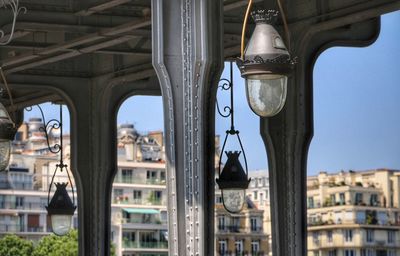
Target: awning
point(141, 211)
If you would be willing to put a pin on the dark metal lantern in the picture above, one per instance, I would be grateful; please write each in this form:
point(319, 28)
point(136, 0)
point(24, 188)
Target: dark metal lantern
point(61, 203)
point(233, 175)
point(60, 208)
point(233, 180)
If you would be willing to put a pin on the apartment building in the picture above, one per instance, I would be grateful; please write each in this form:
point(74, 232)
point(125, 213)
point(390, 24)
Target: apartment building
point(242, 233)
point(354, 213)
point(138, 209)
point(258, 192)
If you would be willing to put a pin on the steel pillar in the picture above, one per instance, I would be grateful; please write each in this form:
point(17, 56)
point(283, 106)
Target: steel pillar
point(287, 136)
point(187, 56)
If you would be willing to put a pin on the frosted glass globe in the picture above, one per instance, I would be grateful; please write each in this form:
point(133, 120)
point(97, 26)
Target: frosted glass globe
point(266, 93)
point(61, 224)
point(233, 199)
point(5, 146)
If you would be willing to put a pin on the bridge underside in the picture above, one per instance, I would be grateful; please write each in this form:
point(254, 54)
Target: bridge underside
point(94, 54)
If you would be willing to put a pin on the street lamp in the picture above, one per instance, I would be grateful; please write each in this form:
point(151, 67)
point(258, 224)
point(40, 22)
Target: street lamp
point(7, 133)
point(265, 65)
point(233, 180)
point(60, 208)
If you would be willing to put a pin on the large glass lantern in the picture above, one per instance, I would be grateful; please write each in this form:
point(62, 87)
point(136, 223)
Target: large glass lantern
point(233, 182)
point(7, 133)
point(61, 209)
point(266, 65)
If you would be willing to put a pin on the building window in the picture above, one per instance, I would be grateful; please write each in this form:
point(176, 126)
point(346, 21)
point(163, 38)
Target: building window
point(254, 224)
point(137, 196)
point(358, 199)
point(255, 247)
point(266, 194)
point(316, 253)
point(315, 237)
point(370, 235)
point(218, 199)
point(235, 224)
point(348, 235)
point(391, 236)
point(127, 175)
point(118, 192)
point(255, 195)
point(19, 202)
point(349, 253)
point(221, 223)
point(162, 176)
point(367, 252)
point(239, 247)
point(391, 253)
point(333, 199)
point(222, 247)
point(310, 202)
point(373, 200)
point(332, 253)
point(342, 199)
point(329, 235)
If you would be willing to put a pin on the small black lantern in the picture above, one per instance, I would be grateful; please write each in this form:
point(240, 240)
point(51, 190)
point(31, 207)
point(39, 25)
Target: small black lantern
point(60, 208)
point(233, 179)
point(233, 182)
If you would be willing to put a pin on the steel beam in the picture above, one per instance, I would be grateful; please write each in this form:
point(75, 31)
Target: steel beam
point(187, 57)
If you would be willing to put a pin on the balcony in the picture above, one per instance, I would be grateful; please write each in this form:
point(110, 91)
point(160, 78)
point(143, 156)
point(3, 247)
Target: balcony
point(144, 245)
point(127, 201)
point(10, 228)
point(142, 181)
point(25, 206)
point(232, 229)
point(143, 221)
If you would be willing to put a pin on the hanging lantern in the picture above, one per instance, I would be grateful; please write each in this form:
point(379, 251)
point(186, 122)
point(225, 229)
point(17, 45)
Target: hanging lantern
point(61, 210)
point(7, 134)
point(266, 65)
point(233, 182)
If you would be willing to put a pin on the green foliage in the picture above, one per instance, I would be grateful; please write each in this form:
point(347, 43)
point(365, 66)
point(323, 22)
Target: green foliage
point(12, 245)
point(58, 245)
point(51, 245)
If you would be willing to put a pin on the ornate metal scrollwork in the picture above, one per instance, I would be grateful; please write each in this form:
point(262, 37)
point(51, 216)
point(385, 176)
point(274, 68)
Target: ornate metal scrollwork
point(225, 85)
point(13, 5)
point(228, 111)
point(47, 128)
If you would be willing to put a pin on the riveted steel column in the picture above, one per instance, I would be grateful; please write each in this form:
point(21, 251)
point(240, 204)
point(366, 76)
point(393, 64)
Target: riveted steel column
point(187, 56)
point(287, 136)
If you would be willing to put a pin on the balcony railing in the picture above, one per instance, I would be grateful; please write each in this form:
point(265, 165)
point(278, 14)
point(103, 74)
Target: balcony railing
point(131, 180)
point(151, 245)
point(24, 206)
point(143, 221)
point(10, 228)
point(139, 201)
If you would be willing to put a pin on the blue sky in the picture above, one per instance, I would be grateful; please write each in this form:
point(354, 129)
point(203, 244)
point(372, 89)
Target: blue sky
point(356, 105)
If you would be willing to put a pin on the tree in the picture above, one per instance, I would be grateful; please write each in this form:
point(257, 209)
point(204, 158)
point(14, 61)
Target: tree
point(12, 245)
point(53, 245)
point(60, 245)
